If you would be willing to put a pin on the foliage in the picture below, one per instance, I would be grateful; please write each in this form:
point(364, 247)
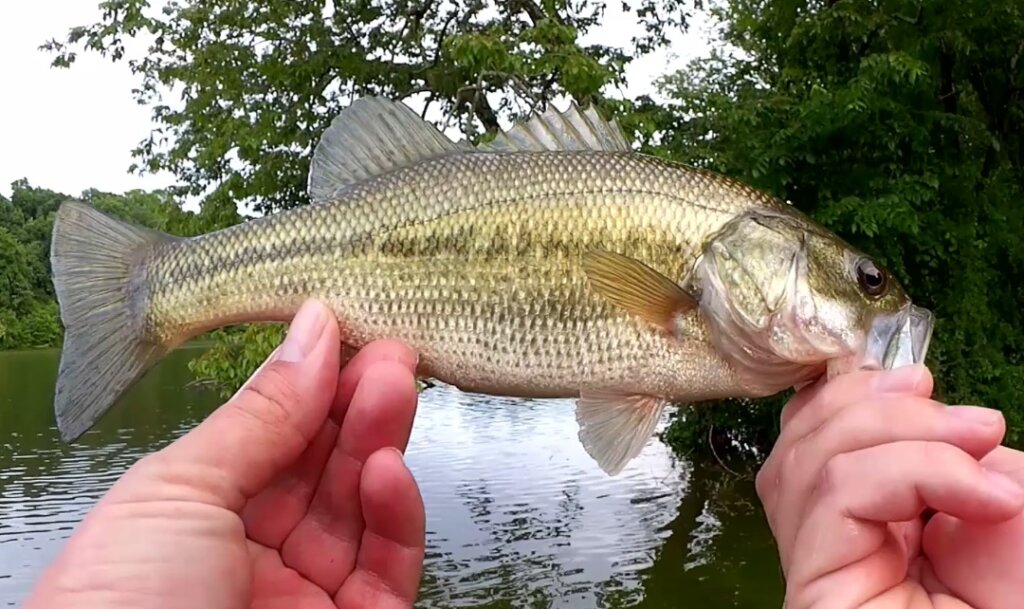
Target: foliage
point(260, 81)
point(732, 430)
point(26, 317)
point(898, 124)
point(235, 353)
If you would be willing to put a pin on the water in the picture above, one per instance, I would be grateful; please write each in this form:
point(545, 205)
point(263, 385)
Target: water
point(517, 513)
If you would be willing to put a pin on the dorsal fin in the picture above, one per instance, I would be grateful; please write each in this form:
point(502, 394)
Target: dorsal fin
point(372, 136)
point(572, 129)
point(375, 135)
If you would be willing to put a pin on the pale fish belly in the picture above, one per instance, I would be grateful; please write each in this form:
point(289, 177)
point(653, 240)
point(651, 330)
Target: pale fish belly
point(512, 342)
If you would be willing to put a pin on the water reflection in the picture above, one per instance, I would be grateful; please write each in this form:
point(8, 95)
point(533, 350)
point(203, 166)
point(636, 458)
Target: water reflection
point(47, 487)
point(517, 511)
point(518, 515)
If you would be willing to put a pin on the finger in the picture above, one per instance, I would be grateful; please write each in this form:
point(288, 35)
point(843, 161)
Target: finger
point(324, 545)
point(363, 360)
point(874, 422)
point(846, 540)
point(921, 571)
point(273, 417)
point(979, 562)
point(272, 514)
point(813, 405)
point(275, 586)
point(390, 561)
point(1007, 461)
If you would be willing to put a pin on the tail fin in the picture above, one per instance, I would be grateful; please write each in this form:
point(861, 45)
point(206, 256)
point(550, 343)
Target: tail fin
point(96, 274)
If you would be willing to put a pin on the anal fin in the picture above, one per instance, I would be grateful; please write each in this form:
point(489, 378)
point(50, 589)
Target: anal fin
point(615, 427)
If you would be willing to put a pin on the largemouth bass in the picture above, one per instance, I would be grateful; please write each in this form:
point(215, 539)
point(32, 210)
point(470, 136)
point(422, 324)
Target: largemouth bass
point(552, 262)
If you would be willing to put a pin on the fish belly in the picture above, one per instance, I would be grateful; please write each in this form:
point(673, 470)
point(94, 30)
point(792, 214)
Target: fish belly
point(532, 329)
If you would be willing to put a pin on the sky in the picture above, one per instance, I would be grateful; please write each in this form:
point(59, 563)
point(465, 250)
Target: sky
point(73, 129)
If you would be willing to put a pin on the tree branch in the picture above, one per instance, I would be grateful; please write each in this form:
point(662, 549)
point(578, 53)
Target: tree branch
point(532, 10)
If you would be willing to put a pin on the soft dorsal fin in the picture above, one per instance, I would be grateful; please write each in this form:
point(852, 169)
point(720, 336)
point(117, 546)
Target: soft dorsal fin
point(572, 129)
point(372, 136)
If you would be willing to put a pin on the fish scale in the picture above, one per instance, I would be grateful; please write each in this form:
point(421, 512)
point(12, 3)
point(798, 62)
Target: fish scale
point(381, 256)
point(561, 267)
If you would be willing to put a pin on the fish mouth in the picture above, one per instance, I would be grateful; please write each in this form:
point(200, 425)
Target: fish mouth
point(898, 340)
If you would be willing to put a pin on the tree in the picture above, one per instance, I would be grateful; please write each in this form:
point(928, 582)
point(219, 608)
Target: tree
point(898, 124)
point(261, 80)
point(15, 278)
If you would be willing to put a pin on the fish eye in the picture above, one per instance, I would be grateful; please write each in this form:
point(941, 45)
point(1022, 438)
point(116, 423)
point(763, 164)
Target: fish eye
point(872, 279)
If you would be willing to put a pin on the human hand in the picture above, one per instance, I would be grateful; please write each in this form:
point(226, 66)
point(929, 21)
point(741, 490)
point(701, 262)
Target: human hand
point(981, 563)
point(858, 462)
point(292, 494)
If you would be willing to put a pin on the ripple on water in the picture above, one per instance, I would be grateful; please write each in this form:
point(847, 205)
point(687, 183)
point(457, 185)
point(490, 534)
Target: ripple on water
point(44, 494)
point(534, 516)
point(517, 513)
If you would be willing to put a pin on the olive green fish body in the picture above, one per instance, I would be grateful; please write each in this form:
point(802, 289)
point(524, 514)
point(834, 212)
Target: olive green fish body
point(551, 262)
point(475, 262)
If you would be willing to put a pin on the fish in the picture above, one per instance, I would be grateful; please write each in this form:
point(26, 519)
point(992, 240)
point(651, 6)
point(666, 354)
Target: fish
point(553, 261)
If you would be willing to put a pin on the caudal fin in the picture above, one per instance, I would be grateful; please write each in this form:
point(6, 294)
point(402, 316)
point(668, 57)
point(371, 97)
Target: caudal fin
point(96, 274)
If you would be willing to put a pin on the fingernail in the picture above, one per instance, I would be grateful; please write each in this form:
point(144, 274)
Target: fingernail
point(304, 333)
point(976, 414)
point(1004, 487)
point(902, 379)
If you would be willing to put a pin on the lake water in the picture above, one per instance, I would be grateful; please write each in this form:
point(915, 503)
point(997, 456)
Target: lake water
point(517, 513)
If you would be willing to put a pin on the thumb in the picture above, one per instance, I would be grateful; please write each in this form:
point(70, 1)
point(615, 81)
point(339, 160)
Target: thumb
point(271, 420)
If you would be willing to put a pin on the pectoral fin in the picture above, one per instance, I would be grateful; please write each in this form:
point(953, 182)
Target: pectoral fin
point(614, 427)
point(637, 288)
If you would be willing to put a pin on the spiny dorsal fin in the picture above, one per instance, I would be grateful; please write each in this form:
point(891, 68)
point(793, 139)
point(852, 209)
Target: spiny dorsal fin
point(375, 135)
point(370, 137)
point(637, 288)
point(573, 129)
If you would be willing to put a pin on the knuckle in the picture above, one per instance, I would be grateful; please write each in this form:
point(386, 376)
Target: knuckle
point(856, 424)
point(941, 454)
point(774, 475)
point(794, 459)
point(831, 475)
point(764, 481)
point(269, 399)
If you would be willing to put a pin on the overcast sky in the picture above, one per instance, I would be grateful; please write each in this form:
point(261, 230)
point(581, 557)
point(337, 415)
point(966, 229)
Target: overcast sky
point(72, 129)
